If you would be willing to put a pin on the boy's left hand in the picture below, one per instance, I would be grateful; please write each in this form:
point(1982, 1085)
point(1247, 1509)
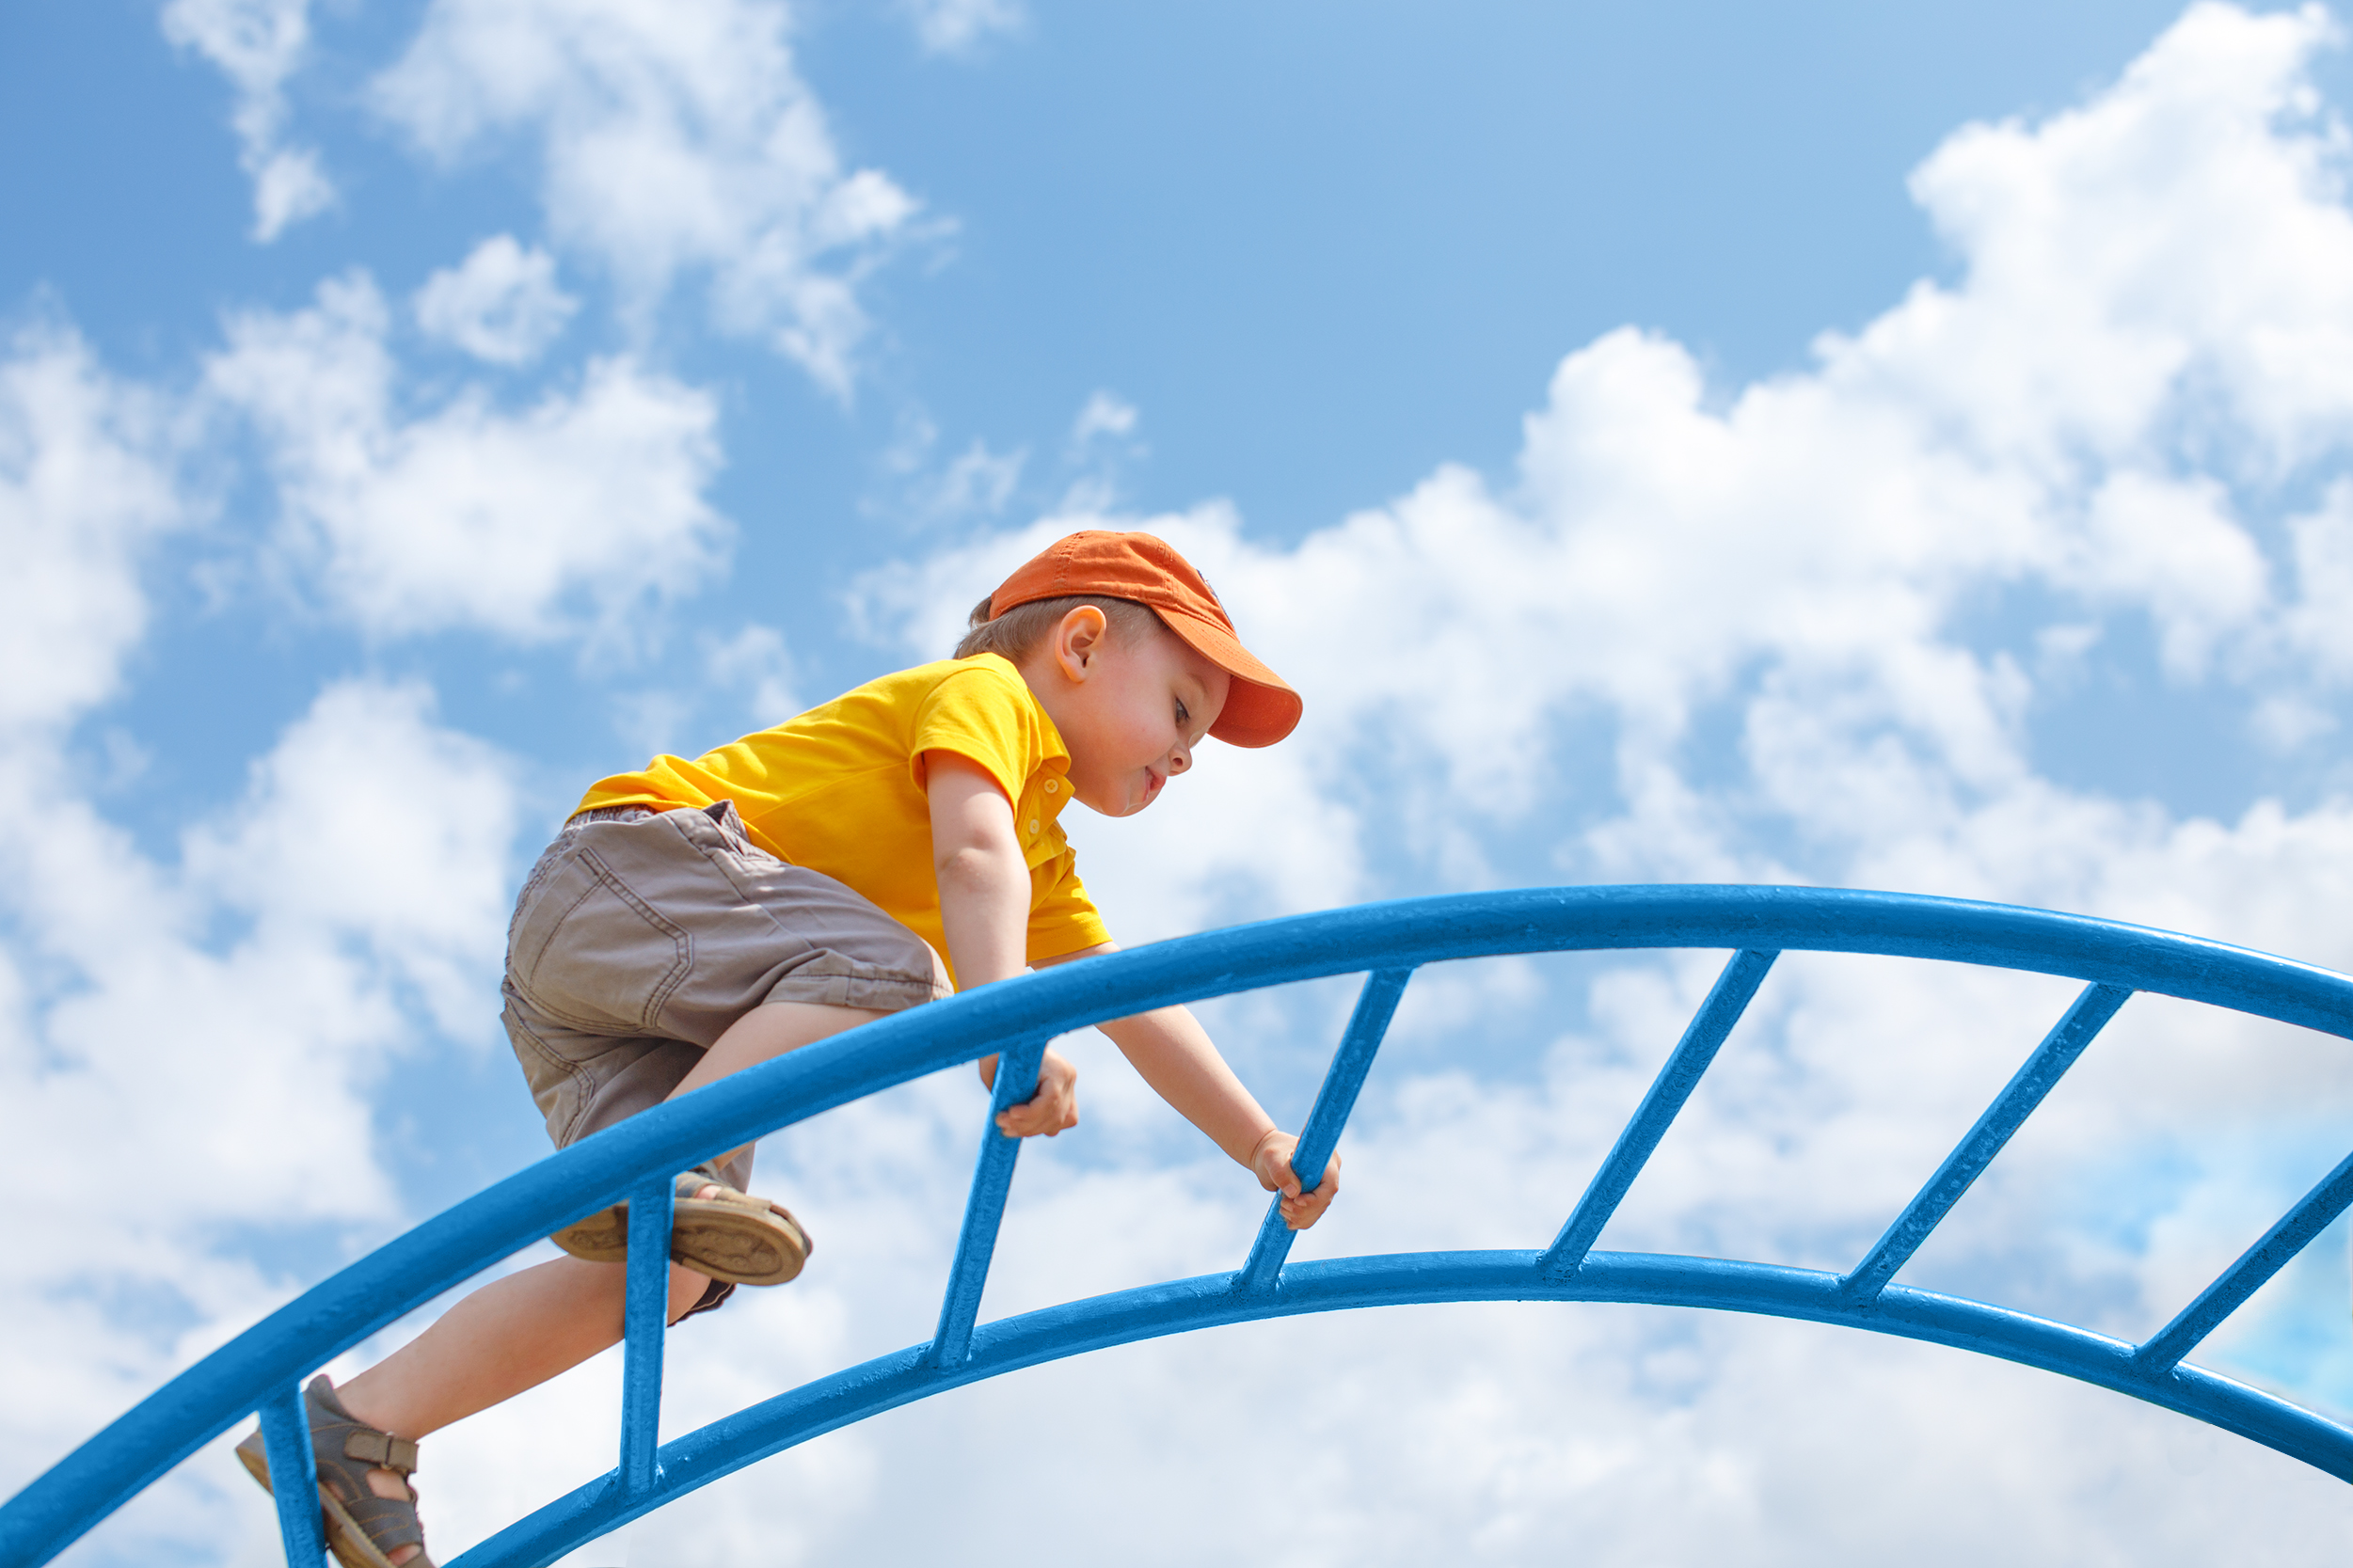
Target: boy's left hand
point(1271, 1161)
point(1052, 1109)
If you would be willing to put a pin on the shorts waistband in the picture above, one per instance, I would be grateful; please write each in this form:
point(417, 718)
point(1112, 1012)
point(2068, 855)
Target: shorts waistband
point(608, 814)
point(721, 812)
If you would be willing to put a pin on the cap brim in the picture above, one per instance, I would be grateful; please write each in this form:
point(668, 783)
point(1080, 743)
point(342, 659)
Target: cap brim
point(1260, 708)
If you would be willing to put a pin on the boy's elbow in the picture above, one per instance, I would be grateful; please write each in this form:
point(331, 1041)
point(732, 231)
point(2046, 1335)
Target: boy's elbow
point(969, 867)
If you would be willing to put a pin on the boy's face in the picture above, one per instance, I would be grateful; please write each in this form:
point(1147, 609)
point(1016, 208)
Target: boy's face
point(1130, 711)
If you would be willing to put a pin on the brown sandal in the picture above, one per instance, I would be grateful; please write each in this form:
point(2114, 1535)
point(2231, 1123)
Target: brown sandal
point(363, 1530)
point(734, 1238)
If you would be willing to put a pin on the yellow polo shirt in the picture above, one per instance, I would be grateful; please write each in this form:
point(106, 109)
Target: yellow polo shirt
point(840, 791)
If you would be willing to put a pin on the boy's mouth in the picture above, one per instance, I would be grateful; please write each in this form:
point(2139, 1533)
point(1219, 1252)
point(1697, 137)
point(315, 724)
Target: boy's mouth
point(1152, 780)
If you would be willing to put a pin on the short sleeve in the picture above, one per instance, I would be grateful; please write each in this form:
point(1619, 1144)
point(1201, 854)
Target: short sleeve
point(1062, 919)
point(981, 711)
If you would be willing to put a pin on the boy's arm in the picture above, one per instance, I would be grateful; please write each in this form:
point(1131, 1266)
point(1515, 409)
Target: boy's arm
point(984, 910)
point(1176, 1056)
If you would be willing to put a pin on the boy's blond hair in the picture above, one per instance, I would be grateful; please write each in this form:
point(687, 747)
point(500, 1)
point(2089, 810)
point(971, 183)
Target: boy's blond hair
point(1017, 634)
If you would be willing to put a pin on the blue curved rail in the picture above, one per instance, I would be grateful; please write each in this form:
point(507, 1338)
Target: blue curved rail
point(261, 1370)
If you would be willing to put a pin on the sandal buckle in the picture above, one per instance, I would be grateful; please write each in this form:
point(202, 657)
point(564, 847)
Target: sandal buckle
point(382, 1449)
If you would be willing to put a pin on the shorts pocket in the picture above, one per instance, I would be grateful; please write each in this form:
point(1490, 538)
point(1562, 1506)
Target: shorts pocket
point(588, 951)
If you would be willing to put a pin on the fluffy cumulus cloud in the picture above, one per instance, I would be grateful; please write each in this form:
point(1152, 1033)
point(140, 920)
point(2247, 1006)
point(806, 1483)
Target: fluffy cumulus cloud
point(959, 26)
point(187, 1041)
point(1104, 414)
point(677, 139)
point(86, 486)
point(756, 662)
point(224, 1090)
point(2317, 628)
point(563, 517)
point(501, 304)
point(258, 45)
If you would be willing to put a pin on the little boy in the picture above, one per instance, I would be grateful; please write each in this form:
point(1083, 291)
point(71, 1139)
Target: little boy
point(892, 847)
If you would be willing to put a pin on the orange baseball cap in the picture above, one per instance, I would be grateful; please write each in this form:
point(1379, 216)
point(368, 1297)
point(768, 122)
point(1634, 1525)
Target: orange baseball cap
point(1260, 709)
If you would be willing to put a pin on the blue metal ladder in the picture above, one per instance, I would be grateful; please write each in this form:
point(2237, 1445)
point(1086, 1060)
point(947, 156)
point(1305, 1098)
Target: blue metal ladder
point(261, 1368)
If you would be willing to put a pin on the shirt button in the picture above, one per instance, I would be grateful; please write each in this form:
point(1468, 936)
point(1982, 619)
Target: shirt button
point(1053, 784)
point(1033, 827)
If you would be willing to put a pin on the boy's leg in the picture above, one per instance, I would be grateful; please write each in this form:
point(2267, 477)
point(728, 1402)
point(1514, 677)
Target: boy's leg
point(767, 1032)
point(517, 1332)
point(512, 1335)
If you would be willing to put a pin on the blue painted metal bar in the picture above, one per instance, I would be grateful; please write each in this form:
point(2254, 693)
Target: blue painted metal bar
point(1728, 999)
point(293, 1476)
point(138, 1446)
point(646, 1323)
point(1210, 1301)
point(1376, 1004)
point(2077, 1028)
point(984, 1207)
point(2312, 1214)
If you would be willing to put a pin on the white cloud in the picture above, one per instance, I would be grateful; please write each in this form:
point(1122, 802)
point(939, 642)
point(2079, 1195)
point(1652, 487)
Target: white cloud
point(424, 888)
point(191, 1051)
point(1100, 437)
point(959, 26)
point(757, 663)
point(86, 487)
point(574, 515)
point(501, 304)
point(2319, 627)
point(2172, 547)
point(1106, 414)
point(677, 138)
point(288, 186)
point(195, 1054)
point(221, 1088)
point(978, 481)
point(258, 45)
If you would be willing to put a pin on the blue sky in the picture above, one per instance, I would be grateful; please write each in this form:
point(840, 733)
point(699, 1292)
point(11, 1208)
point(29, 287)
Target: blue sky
point(1890, 447)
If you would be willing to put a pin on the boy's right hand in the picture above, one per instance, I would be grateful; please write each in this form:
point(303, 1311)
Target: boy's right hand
point(1271, 1161)
point(1054, 1109)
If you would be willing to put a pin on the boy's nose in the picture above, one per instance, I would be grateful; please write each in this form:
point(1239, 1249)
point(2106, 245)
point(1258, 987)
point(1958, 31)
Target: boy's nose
point(1179, 760)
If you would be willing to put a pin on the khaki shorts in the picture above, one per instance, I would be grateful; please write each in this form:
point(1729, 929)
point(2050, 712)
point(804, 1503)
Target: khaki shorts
point(641, 936)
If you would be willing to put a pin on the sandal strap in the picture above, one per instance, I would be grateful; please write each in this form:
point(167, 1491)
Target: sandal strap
point(705, 1175)
point(389, 1523)
point(382, 1450)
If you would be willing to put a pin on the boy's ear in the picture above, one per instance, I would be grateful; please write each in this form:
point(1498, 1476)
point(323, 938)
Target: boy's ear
point(1078, 637)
